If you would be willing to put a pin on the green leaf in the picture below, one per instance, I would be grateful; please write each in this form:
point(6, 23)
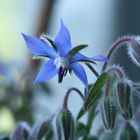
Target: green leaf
point(76, 49)
point(81, 113)
point(80, 130)
point(82, 110)
point(95, 90)
point(89, 87)
point(94, 95)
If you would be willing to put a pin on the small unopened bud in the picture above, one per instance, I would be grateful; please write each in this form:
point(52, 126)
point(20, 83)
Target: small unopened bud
point(123, 92)
point(127, 114)
point(41, 129)
point(65, 125)
point(108, 112)
point(134, 50)
point(128, 133)
point(22, 131)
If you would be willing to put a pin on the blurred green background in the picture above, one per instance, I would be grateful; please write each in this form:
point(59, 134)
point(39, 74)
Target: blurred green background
point(16, 76)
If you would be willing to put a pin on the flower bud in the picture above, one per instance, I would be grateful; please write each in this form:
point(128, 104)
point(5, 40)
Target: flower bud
point(127, 114)
point(108, 112)
point(123, 92)
point(42, 129)
point(65, 125)
point(22, 131)
point(128, 133)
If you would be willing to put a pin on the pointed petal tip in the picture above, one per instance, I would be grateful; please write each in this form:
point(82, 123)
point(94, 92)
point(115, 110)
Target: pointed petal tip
point(62, 23)
point(105, 59)
point(100, 58)
point(24, 35)
point(63, 26)
point(63, 40)
point(36, 81)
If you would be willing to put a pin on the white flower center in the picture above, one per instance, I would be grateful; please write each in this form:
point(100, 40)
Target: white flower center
point(61, 62)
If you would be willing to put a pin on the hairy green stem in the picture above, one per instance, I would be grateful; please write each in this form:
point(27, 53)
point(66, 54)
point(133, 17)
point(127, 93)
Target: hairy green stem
point(91, 115)
point(117, 70)
point(117, 44)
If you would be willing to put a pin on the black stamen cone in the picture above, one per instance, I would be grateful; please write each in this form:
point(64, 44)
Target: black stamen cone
point(60, 74)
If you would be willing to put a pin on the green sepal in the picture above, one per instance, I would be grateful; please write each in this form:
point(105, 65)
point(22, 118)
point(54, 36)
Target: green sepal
point(81, 113)
point(75, 50)
point(52, 43)
point(87, 61)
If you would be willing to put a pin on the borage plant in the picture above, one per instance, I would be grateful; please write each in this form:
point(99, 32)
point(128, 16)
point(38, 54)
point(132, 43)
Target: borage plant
point(111, 96)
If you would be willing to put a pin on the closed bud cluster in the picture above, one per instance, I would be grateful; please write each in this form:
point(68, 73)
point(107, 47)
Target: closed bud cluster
point(123, 94)
point(128, 133)
point(65, 125)
point(108, 112)
point(21, 132)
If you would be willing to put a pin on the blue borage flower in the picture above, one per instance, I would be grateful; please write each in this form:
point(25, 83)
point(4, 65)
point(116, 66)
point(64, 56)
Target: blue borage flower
point(62, 57)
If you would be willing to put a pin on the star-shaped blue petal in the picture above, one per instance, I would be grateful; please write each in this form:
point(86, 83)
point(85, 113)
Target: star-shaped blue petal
point(63, 40)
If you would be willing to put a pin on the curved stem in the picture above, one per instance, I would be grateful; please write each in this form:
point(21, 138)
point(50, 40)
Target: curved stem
point(92, 69)
point(65, 102)
point(117, 70)
point(117, 44)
